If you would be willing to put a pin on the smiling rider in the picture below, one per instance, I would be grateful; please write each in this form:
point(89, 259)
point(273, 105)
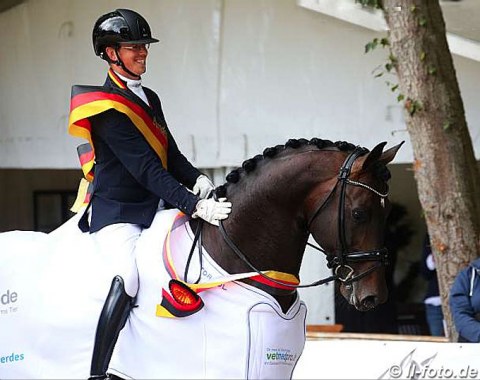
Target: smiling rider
point(134, 165)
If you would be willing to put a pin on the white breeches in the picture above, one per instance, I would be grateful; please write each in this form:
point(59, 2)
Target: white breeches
point(116, 245)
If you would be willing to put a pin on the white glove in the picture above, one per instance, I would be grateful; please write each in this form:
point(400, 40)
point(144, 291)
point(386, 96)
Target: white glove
point(212, 211)
point(203, 186)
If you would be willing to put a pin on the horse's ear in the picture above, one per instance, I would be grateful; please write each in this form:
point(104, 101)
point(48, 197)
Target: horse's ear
point(378, 155)
point(390, 154)
point(374, 155)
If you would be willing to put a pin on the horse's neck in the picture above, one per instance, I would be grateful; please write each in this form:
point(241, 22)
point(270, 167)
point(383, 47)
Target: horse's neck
point(267, 221)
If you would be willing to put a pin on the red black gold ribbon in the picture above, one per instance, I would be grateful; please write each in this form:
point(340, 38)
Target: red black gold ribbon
point(115, 79)
point(88, 101)
point(183, 299)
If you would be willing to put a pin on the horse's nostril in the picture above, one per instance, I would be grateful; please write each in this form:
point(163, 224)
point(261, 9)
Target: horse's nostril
point(369, 302)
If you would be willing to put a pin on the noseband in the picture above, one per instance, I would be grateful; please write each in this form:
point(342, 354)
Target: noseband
point(339, 261)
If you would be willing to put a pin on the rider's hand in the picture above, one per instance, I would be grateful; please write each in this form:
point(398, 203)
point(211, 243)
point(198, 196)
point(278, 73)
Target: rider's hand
point(212, 211)
point(203, 186)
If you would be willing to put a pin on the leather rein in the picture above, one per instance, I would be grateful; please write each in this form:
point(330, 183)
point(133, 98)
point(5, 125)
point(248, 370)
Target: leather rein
point(339, 261)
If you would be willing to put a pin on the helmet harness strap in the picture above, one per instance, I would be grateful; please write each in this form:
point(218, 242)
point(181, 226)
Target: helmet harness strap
point(120, 63)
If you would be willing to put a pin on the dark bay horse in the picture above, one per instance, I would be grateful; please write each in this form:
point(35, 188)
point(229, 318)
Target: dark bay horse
point(335, 191)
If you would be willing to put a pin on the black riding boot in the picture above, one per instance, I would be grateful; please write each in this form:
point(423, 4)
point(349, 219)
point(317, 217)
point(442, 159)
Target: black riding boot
point(112, 319)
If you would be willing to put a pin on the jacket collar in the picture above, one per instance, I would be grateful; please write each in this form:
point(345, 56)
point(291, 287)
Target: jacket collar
point(114, 80)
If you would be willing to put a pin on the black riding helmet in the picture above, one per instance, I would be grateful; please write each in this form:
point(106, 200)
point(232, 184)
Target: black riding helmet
point(120, 26)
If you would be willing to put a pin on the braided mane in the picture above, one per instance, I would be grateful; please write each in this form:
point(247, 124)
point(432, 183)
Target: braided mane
point(269, 153)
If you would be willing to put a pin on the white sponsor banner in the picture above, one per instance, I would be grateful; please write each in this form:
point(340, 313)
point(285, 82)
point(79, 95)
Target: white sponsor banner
point(377, 359)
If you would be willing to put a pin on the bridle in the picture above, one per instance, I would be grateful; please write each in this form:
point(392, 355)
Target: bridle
point(339, 261)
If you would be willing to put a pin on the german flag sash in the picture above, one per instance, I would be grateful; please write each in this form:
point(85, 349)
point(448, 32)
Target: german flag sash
point(182, 299)
point(88, 101)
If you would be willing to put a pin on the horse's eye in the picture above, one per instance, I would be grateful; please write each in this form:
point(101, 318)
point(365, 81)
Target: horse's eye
point(360, 215)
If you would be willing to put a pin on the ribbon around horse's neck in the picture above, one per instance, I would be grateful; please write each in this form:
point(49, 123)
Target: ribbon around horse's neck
point(182, 299)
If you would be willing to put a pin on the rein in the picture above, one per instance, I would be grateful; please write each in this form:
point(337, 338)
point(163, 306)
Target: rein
point(241, 256)
point(342, 271)
point(197, 239)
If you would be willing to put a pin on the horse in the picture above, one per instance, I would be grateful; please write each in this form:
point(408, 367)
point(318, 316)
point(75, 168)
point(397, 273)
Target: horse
point(308, 208)
point(229, 294)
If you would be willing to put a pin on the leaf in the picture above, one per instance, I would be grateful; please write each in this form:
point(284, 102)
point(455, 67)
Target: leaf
point(422, 56)
point(400, 97)
point(412, 106)
point(376, 4)
point(370, 46)
point(394, 88)
point(422, 21)
point(447, 125)
point(408, 104)
point(432, 70)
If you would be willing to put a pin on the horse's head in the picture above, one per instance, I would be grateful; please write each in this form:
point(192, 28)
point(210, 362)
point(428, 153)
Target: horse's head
point(334, 191)
point(347, 215)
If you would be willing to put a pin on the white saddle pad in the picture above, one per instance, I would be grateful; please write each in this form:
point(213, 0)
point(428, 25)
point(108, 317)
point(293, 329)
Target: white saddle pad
point(52, 289)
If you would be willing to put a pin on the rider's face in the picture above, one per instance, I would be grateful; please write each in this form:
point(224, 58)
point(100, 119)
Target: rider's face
point(133, 56)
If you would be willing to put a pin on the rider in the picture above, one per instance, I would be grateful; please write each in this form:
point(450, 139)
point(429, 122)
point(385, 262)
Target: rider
point(133, 148)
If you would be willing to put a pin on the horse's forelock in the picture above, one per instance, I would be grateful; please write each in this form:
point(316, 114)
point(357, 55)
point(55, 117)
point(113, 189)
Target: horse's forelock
point(377, 171)
point(382, 172)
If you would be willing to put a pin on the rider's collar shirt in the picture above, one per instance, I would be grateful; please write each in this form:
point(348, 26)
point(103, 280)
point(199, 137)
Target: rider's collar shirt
point(135, 85)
